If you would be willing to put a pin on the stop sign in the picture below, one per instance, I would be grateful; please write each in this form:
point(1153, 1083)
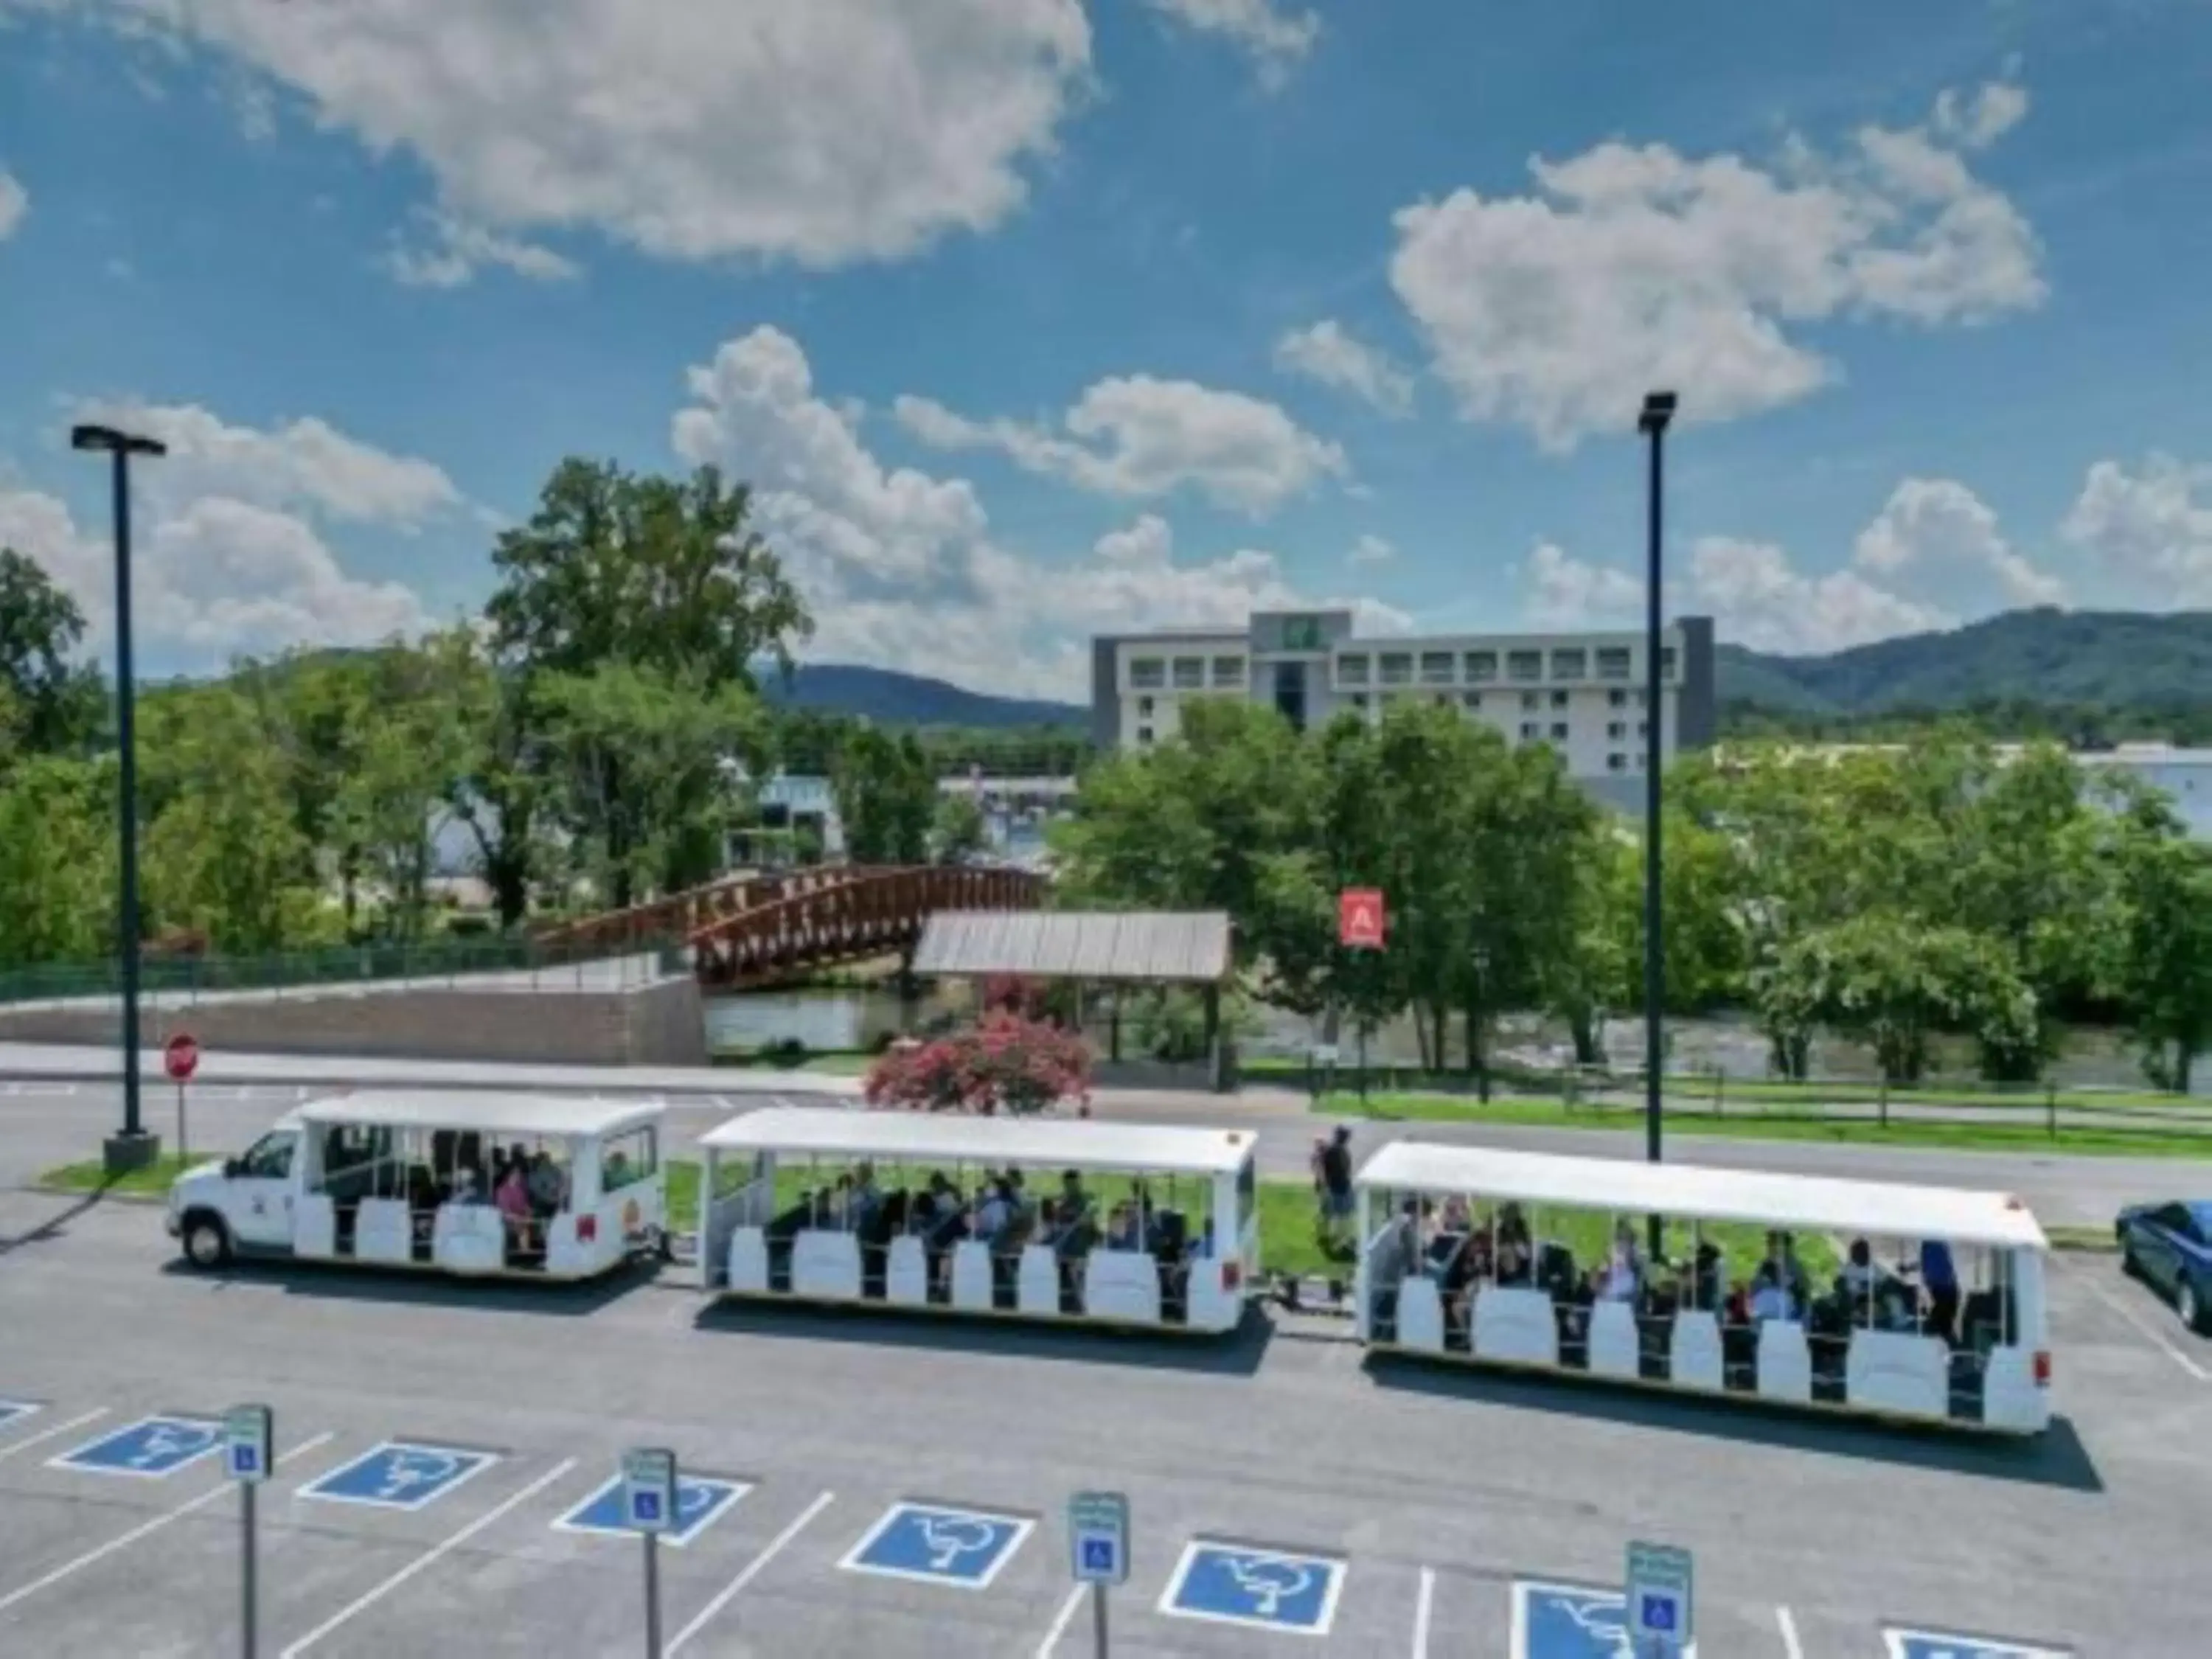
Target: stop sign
point(180, 1057)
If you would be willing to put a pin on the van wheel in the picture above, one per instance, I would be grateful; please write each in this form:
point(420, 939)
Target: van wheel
point(207, 1241)
point(2189, 1304)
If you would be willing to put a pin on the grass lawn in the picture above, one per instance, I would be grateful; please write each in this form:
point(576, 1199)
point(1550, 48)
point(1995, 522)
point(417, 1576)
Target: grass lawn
point(152, 1181)
point(1752, 1126)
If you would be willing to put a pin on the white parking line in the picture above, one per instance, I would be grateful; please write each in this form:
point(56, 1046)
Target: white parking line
point(144, 1529)
point(1423, 1604)
point(2164, 1343)
point(31, 1440)
point(753, 1570)
point(362, 1604)
point(1791, 1647)
point(1061, 1622)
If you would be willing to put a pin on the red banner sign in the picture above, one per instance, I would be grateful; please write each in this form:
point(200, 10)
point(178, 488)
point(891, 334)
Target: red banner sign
point(1359, 918)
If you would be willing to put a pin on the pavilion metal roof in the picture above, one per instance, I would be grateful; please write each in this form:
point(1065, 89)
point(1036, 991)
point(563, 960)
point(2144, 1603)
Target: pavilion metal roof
point(1163, 947)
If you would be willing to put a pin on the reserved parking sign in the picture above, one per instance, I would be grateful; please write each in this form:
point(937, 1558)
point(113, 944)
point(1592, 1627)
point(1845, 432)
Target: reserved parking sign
point(649, 1490)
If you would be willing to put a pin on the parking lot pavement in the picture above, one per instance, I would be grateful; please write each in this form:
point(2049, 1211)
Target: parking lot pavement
point(888, 1489)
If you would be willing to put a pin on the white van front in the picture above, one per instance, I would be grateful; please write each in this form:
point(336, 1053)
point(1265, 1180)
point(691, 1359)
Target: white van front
point(241, 1205)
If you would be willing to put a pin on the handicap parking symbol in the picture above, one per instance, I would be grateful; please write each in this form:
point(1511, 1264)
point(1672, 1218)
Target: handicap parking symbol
point(153, 1448)
point(1935, 1645)
point(1272, 1589)
point(699, 1501)
point(1571, 1621)
point(401, 1474)
point(940, 1545)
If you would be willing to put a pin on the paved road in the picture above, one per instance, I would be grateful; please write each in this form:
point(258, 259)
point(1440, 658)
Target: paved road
point(1436, 1491)
point(46, 1124)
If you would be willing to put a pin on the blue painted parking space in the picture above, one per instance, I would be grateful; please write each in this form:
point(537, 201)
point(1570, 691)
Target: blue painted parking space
point(1570, 1621)
point(12, 1409)
point(1265, 1589)
point(1937, 1644)
point(152, 1449)
point(401, 1474)
point(937, 1544)
point(699, 1501)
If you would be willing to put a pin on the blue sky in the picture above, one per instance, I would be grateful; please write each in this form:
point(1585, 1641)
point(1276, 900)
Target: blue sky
point(1030, 319)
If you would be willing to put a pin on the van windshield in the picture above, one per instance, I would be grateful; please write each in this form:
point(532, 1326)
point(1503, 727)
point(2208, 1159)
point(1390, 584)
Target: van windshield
point(270, 1159)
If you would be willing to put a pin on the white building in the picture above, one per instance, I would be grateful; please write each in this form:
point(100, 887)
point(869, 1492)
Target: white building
point(1581, 693)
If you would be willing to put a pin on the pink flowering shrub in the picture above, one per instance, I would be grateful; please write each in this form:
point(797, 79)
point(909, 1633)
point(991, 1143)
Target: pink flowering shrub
point(1004, 1063)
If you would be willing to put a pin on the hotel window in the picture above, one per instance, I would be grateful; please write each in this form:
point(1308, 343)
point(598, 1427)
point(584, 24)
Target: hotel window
point(1529, 731)
point(1471, 699)
point(1617, 698)
point(1641, 698)
point(1559, 731)
point(1397, 667)
point(1190, 673)
point(1359, 700)
point(1144, 708)
point(1643, 729)
point(1532, 699)
point(1143, 736)
point(1613, 662)
point(1148, 673)
point(1524, 664)
point(1352, 670)
point(1436, 668)
point(1559, 700)
point(1229, 671)
point(1616, 729)
point(1482, 665)
point(1616, 763)
point(1666, 662)
point(1570, 664)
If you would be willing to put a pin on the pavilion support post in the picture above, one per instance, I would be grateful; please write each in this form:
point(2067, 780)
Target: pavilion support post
point(1113, 1027)
point(1216, 1059)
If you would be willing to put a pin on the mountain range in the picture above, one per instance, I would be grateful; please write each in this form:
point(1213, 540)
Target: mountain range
point(2116, 661)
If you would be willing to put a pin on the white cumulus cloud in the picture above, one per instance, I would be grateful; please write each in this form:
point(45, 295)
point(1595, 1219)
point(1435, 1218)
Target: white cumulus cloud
point(305, 465)
point(15, 202)
point(451, 252)
point(1136, 436)
point(1931, 525)
point(821, 131)
point(1757, 598)
point(1372, 550)
point(1564, 593)
point(1326, 353)
point(2148, 525)
point(1276, 39)
point(1636, 267)
point(900, 568)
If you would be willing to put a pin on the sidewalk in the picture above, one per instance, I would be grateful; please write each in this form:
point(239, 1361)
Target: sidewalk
point(28, 1062)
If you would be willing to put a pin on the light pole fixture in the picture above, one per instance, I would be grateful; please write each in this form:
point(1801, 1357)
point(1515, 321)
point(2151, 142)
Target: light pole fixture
point(133, 1148)
point(1658, 411)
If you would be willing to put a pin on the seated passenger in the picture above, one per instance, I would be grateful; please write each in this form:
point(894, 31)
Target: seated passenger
point(1771, 1296)
point(1456, 1218)
point(547, 1187)
point(1074, 1202)
point(996, 1210)
point(865, 1201)
point(1515, 1257)
point(1122, 1230)
point(467, 1187)
point(1860, 1274)
point(515, 1206)
point(1621, 1276)
point(1940, 1278)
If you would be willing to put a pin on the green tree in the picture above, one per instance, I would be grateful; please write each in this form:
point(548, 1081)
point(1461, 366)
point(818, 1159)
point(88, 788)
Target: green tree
point(660, 574)
point(960, 833)
point(53, 703)
point(887, 797)
point(224, 857)
point(58, 860)
point(648, 765)
point(2165, 966)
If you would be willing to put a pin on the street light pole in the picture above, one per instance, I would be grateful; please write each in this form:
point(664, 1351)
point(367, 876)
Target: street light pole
point(1658, 411)
point(134, 1147)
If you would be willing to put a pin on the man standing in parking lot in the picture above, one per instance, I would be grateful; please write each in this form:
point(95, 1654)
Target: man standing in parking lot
point(1335, 1190)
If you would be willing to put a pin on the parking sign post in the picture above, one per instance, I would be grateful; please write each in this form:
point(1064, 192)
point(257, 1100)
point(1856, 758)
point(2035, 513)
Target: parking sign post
point(246, 1433)
point(1659, 1600)
point(1098, 1549)
point(648, 1478)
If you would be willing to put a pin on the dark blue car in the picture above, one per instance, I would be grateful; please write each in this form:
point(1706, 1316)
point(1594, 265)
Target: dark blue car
point(2170, 1245)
